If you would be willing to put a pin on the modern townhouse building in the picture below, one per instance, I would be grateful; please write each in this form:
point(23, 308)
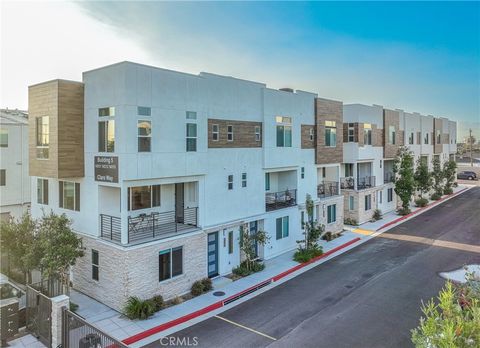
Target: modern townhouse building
point(160, 171)
point(14, 177)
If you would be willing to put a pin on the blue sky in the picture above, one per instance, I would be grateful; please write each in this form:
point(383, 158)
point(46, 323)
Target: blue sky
point(422, 57)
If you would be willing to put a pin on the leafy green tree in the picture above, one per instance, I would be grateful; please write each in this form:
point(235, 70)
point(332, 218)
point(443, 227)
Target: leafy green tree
point(437, 176)
point(60, 247)
point(19, 241)
point(422, 177)
point(404, 177)
point(313, 231)
point(248, 241)
point(449, 173)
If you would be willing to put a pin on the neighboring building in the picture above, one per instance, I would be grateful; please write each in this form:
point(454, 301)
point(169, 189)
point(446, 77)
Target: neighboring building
point(14, 178)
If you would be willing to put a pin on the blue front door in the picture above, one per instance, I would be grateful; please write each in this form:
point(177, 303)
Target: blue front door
point(212, 254)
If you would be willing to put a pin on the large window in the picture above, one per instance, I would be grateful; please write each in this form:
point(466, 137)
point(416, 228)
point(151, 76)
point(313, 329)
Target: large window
point(144, 129)
point(284, 131)
point(391, 135)
point(215, 132)
point(425, 139)
point(330, 133)
point(43, 136)
point(95, 265)
point(105, 112)
point(3, 137)
point(42, 191)
point(282, 227)
point(170, 263)
point(106, 136)
point(143, 197)
point(368, 202)
point(3, 177)
point(69, 195)
point(267, 181)
point(331, 213)
point(367, 134)
point(351, 133)
point(191, 137)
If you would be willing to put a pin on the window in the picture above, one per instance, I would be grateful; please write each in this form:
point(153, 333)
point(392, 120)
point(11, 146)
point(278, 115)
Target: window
point(351, 132)
point(215, 133)
point(106, 136)
point(331, 213)
point(230, 242)
point(95, 264)
point(3, 137)
point(391, 135)
point(284, 131)
point(282, 227)
point(229, 133)
point(425, 139)
point(258, 135)
point(110, 111)
point(302, 172)
point(330, 133)
point(191, 115)
point(410, 139)
point(439, 138)
point(302, 220)
point(170, 263)
point(390, 195)
point(244, 179)
point(348, 169)
point(144, 111)
point(311, 134)
point(267, 181)
point(3, 177)
point(144, 129)
point(230, 182)
point(367, 134)
point(351, 203)
point(43, 136)
point(368, 202)
point(69, 195)
point(143, 197)
point(191, 137)
point(42, 191)
point(380, 197)
point(324, 172)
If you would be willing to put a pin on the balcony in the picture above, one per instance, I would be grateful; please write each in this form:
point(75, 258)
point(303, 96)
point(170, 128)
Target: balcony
point(147, 227)
point(280, 200)
point(347, 183)
point(388, 177)
point(365, 182)
point(327, 189)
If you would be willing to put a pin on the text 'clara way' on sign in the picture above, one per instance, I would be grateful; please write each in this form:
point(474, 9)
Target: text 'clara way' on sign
point(106, 169)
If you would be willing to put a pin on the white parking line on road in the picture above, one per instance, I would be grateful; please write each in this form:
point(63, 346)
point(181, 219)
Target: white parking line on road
point(246, 328)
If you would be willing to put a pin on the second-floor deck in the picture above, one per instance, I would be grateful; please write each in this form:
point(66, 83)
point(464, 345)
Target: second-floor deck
point(328, 189)
point(362, 183)
point(279, 200)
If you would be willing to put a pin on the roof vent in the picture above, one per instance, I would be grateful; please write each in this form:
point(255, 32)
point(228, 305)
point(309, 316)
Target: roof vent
point(286, 89)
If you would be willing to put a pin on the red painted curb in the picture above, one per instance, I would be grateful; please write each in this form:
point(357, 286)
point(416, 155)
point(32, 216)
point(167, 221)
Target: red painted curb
point(162, 327)
point(419, 210)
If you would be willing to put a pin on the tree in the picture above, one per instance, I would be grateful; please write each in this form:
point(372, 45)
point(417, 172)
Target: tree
point(454, 321)
point(60, 247)
point(404, 177)
point(449, 173)
point(248, 241)
point(313, 231)
point(422, 177)
point(437, 176)
point(19, 241)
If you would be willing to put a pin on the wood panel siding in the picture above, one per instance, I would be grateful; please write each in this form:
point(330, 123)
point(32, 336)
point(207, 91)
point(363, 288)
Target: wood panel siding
point(392, 118)
point(307, 141)
point(243, 134)
point(63, 102)
point(328, 110)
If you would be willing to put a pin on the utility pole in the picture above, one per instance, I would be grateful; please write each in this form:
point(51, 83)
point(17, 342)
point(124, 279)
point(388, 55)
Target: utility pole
point(471, 147)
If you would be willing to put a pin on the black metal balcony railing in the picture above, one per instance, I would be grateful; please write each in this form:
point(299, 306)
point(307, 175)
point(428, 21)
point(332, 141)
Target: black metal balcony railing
point(388, 177)
point(347, 183)
point(279, 200)
point(327, 189)
point(365, 182)
point(149, 226)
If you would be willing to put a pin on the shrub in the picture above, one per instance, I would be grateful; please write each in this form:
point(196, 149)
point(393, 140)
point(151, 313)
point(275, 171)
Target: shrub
point(351, 222)
point(328, 236)
point(136, 308)
point(242, 270)
point(73, 307)
point(305, 255)
point(403, 211)
point(447, 191)
point(377, 214)
point(177, 300)
point(207, 284)
point(157, 302)
point(421, 202)
point(197, 288)
point(435, 196)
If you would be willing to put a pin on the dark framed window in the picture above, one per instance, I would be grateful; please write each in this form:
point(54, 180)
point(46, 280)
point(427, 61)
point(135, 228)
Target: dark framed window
point(3, 177)
point(244, 179)
point(107, 111)
point(95, 265)
point(368, 202)
point(229, 133)
point(144, 197)
point(69, 195)
point(106, 136)
point(230, 182)
point(367, 134)
point(282, 227)
point(302, 172)
point(3, 137)
point(144, 129)
point(267, 181)
point(425, 139)
point(230, 242)
point(215, 132)
point(258, 134)
point(144, 111)
point(331, 213)
point(390, 194)
point(191, 115)
point(43, 137)
point(411, 138)
point(284, 131)
point(330, 133)
point(170, 263)
point(391, 135)
point(191, 137)
point(42, 191)
point(351, 133)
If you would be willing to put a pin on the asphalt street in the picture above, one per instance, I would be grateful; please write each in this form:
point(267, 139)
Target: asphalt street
point(367, 297)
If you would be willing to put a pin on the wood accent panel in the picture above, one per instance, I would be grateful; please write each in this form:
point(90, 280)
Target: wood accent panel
point(307, 142)
point(63, 102)
point(243, 134)
point(328, 110)
point(392, 118)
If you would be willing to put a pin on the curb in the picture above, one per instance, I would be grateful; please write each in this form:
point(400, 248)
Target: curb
point(214, 306)
point(420, 210)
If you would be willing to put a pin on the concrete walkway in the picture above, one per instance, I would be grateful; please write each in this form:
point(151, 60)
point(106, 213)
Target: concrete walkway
point(27, 341)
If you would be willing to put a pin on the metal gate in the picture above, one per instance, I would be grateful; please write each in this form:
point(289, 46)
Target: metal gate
point(38, 315)
point(77, 333)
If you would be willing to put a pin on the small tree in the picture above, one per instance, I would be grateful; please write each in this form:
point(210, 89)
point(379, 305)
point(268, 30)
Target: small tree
point(247, 244)
point(449, 172)
point(313, 231)
point(60, 247)
point(437, 176)
point(422, 177)
point(404, 177)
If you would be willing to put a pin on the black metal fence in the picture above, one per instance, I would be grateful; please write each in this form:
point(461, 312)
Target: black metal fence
point(39, 315)
point(347, 183)
point(77, 333)
point(327, 189)
point(279, 200)
point(365, 182)
point(111, 227)
point(49, 287)
point(388, 177)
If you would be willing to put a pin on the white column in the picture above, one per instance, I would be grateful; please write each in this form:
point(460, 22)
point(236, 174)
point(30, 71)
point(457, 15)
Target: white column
point(57, 304)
